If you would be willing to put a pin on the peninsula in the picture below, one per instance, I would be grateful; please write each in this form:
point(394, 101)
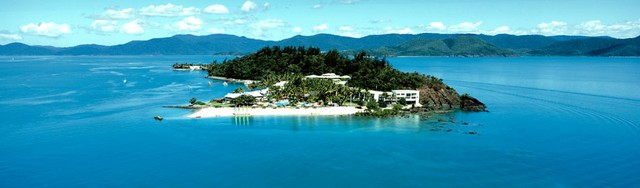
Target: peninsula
point(303, 79)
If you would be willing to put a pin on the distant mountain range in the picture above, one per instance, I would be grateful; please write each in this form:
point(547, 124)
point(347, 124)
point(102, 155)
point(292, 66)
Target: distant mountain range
point(457, 46)
point(426, 44)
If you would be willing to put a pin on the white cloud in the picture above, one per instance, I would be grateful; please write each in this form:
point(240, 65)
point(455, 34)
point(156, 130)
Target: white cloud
point(349, 1)
point(132, 27)
point(552, 28)
point(118, 14)
point(47, 29)
point(500, 30)
point(627, 29)
point(189, 24)
point(345, 28)
point(268, 23)
point(380, 21)
point(398, 31)
point(405, 31)
point(248, 6)
point(104, 25)
point(263, 25)
point(349, 31)
point(297, 30)
point(320, 28)
point(240, 21)
point(168, 10)
point(592, 26)
point(9, 36)
point(352, 34)
point(437, 26)
point(214, 30)
point(217, 9)
point(466, 27)
point(317, 6)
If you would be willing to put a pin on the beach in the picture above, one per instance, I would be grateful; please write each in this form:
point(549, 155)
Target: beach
point(216, 112)
point(230, 79)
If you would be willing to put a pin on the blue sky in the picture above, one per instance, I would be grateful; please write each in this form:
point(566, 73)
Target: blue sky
point(109, 22)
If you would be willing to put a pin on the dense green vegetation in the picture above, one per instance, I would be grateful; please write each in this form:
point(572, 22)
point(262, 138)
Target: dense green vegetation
point(366, 71)
point(244, 100)
point(325, 91)
point(194, 101)
point(270, 66)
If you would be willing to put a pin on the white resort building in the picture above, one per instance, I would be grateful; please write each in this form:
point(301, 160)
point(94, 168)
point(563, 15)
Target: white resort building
point(257, 94)
point(411, 96)
point(337, 79)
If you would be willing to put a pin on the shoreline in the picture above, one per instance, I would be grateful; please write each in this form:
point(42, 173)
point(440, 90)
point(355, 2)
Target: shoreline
point(230, 79)
point(323, 111)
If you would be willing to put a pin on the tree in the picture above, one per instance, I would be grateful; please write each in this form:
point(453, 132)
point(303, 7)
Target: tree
point(244, 100)
point(238, 90)
point(193, 101)
point(372, 105)
point(402, 101)
point(382, 104)
point(397, 107)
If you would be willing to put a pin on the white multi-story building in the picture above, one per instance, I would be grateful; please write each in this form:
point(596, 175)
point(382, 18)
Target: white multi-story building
point(411, 96)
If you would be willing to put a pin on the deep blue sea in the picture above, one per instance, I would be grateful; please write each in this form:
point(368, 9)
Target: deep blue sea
point(553, 122)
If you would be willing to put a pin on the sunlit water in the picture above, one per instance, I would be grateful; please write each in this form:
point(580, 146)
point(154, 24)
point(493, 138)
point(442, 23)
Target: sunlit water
point(554, 122)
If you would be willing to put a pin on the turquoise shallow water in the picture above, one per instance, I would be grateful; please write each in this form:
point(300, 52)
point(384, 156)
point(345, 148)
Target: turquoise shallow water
point(554, 122)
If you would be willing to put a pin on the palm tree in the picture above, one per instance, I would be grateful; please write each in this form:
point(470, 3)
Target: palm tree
point(238, 90)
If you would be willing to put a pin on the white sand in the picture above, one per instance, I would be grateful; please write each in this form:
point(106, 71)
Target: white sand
point(215, 112)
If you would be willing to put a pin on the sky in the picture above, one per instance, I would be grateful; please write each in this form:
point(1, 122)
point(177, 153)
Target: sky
point(109, 22)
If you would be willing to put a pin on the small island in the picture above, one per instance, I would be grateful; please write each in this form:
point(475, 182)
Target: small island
point(307, 81)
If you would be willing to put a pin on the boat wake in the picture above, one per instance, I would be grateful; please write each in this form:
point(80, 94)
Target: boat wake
point(580, 105)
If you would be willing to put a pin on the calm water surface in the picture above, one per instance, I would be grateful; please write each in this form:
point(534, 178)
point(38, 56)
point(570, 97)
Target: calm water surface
point(554, 122)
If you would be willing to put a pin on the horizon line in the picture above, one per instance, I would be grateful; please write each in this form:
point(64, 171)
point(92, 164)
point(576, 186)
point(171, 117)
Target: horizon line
point(298, 35)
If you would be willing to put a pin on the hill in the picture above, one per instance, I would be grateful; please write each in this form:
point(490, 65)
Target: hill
point(467, 46)
point(593, 47)
point(396, 44)
point(23, 49)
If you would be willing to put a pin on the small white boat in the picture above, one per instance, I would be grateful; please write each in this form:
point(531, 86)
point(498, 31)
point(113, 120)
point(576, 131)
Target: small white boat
point(225, 83)
point(124, 81)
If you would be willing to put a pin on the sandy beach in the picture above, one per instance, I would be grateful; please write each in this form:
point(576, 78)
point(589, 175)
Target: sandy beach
point(216, 112)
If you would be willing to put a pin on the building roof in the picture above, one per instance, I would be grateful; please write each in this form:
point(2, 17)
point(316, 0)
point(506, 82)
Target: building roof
point(329, 76)
point(257, 93)
point(280, 84)
point(405, 91)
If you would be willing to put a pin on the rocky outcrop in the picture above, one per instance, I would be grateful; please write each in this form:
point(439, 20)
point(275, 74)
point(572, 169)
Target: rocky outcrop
point(469, 103)
point(441, 96)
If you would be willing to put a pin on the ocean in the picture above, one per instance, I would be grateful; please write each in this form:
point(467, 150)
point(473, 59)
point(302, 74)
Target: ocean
point(73, 121)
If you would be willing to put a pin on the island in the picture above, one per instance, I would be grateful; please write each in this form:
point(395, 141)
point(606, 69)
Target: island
point(306, 81)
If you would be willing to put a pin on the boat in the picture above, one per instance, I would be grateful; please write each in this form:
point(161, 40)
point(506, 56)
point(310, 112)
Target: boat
point(158, 118)
point(225, 83)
